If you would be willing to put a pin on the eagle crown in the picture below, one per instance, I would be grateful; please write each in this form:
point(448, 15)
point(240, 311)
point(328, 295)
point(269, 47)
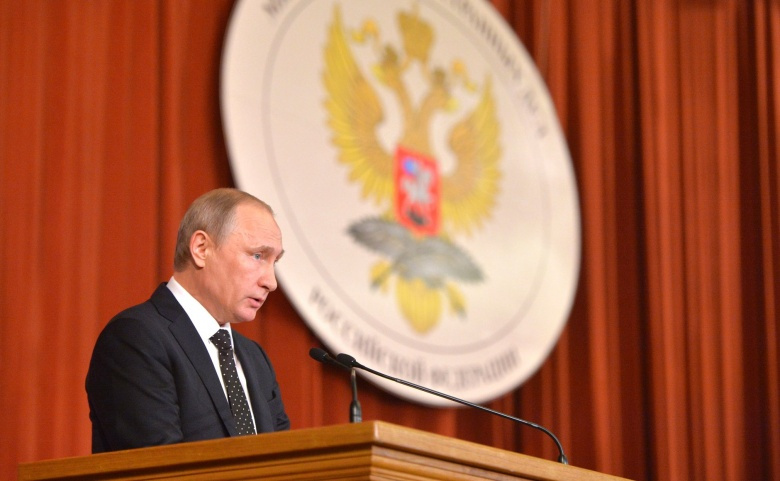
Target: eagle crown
point(417, 38)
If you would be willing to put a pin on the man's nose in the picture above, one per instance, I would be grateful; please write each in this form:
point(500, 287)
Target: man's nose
point(268, 279)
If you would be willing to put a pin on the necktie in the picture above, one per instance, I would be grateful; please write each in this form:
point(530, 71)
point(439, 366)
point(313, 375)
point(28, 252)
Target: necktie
point(236, 396)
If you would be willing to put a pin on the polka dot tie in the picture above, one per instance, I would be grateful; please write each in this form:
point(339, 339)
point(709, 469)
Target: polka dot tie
point(236, 396)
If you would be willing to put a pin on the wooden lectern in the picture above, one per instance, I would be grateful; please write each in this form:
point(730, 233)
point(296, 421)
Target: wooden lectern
point(363, 451)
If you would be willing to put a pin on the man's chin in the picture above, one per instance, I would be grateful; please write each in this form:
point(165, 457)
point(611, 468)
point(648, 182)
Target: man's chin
point(247, 316)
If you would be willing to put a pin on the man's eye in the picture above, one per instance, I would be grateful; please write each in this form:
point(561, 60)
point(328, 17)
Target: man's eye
point(257, 257)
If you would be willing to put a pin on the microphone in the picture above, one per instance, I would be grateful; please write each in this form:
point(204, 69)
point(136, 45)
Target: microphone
point(320, 355)
point(355, 411)
point(350, 361)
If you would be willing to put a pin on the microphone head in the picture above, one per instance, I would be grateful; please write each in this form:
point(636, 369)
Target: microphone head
point(322, 356)
point(347, 360)
point(319, 354)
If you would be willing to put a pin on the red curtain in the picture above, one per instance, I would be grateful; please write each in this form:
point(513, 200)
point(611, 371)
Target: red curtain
point(668, 367)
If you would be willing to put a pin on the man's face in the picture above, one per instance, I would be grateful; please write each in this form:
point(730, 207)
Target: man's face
point(239, 273)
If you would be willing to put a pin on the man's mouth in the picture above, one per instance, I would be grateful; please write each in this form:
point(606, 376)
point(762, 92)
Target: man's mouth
point(256, 301)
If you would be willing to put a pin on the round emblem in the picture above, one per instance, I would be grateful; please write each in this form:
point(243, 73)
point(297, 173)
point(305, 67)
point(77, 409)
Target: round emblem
point(421, 181)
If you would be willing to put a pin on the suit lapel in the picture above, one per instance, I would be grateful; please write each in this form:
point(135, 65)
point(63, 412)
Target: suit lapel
point(188, 338)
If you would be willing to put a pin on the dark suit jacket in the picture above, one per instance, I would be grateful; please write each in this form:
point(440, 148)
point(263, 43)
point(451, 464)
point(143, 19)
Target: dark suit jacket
point(151, 381)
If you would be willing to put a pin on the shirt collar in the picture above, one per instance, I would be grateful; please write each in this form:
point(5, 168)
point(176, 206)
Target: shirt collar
point(204, 322)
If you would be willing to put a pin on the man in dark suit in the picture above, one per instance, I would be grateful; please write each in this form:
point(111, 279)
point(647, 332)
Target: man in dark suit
point(157, 375)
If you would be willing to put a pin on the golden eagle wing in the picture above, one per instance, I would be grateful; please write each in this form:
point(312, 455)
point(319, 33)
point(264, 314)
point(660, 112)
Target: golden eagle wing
point(354, 111)
point(469, 192)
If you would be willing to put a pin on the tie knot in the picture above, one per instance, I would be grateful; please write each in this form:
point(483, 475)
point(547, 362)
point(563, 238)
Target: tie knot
point(222, 340)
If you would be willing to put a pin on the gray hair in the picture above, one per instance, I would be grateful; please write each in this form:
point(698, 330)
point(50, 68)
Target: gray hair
point(214, 213)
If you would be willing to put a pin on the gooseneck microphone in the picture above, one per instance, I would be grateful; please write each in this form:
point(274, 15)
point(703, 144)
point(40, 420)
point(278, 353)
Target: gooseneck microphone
point(355, 411)
point(350, 362)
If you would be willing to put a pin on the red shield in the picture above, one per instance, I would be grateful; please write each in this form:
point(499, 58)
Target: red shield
point(417, 191)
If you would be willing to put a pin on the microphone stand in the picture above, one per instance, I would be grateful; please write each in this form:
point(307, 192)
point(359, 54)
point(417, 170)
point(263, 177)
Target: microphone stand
point(355, 411)
point(349, 361)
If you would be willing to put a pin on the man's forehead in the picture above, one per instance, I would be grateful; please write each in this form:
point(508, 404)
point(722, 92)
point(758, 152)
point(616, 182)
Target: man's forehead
point(257, 221)
point(253, 207)
point(255, 213)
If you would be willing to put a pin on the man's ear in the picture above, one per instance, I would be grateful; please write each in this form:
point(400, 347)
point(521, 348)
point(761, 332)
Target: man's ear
point(200, 243)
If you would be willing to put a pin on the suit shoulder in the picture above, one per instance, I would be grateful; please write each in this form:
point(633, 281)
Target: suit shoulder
point(155, 313)
point(141, 315)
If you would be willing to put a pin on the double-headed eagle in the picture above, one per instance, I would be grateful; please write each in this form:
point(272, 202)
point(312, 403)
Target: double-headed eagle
point(424, 208)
